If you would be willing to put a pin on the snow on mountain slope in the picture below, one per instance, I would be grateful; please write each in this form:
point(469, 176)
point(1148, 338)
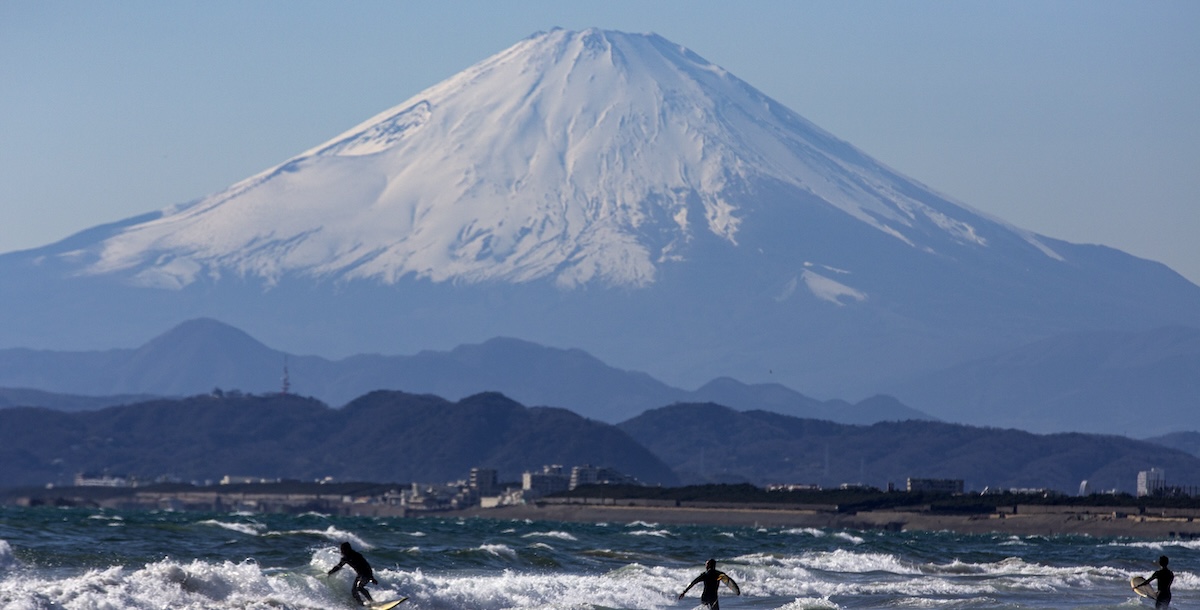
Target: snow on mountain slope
point(578, 157)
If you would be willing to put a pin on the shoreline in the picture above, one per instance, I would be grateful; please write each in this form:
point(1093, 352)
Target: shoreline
point(1032, 521)
point(363, 500)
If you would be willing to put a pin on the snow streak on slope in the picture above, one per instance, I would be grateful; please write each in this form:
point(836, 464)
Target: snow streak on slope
point(583, 157)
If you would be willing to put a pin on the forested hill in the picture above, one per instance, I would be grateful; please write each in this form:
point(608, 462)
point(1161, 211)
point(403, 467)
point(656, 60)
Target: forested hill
point(396, 437)
point(382, 436)
point(711, 443)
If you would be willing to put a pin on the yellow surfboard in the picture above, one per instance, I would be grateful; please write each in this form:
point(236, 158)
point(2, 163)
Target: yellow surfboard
point(387, 605)
point(729, 583)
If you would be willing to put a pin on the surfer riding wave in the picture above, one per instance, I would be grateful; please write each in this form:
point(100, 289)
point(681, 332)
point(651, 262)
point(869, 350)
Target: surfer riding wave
point(363, 572)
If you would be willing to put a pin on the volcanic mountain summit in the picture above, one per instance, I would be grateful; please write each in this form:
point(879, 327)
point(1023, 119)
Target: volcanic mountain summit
point(580, 157)
point(608, 191)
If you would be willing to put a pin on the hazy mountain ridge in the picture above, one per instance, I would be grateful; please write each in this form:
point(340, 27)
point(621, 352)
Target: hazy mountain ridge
point(200, 355)
point(1079, 382)
point(26, 397)
point(1101, 381)
point(1183, 441)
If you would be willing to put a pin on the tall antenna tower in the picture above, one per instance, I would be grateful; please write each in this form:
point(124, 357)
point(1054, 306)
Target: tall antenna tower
point(287, 383)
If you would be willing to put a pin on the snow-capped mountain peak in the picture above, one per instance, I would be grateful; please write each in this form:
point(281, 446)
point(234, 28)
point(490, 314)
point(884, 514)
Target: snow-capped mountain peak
point(580, 157)
point(709, 232)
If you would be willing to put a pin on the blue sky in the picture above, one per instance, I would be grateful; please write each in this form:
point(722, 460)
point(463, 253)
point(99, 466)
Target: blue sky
point(1077, 120)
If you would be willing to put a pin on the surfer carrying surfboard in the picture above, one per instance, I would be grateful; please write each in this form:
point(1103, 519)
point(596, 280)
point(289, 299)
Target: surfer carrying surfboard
point(363, 572)
point(1165, 577)
point(712, 579)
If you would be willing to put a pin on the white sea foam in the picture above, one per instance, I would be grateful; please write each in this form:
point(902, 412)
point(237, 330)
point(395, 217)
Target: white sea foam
point(551, 534)
point(811, 603)
point(249, 529)
point(659, 533)
point(916, 588)
point(641, 524)
point(498, 550)
point(164, 584)
point(808, 531)
point(849, 537)
point(812, 580)
point(640, 588)
point(796, 570)
point(1161, 546)
point(844, 561)
point(7, 560)
point(330, 533)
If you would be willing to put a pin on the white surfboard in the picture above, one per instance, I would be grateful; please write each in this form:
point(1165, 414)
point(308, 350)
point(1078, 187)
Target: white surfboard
point(1143, 588)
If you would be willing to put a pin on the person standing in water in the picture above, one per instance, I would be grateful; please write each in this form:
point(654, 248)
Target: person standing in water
point(363, 573)
point(712, 579)
point(1165, 577)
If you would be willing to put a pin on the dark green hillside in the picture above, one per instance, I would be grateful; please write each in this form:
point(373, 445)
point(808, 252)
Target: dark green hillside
point(383, 436)
point(707, 443)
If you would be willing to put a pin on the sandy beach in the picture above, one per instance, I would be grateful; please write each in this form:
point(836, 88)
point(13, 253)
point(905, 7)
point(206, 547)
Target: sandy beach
point(1022, 520)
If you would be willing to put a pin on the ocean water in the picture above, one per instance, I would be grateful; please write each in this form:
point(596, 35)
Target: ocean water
point(94, 559)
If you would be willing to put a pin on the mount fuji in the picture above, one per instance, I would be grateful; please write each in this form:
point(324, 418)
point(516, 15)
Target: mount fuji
point(599, 190)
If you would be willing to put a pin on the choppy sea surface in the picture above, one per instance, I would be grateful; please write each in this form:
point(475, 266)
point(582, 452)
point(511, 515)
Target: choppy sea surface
point(84, 559)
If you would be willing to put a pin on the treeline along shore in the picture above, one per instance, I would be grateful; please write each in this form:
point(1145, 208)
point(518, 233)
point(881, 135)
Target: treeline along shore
point(732, 505)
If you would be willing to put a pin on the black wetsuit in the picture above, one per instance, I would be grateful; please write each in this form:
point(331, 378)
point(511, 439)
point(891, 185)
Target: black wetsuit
point(363, 570)
point(712, 582)
point(1164, 577)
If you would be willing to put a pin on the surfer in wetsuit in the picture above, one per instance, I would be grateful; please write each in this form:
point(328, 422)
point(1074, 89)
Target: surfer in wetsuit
point(1165, 577)
point(362, 570)
point(711, 577)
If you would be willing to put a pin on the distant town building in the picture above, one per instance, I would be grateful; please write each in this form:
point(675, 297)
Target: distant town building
point(592, 475)
point(236, 480)
point(430, 497)
point(1045, 492)
point(793, 487)
point(1085, 489)
point(91, 479)
point(483, 481)
point(549, 481)
point(949, 486)
point(857, 487)
point(1150, 482)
